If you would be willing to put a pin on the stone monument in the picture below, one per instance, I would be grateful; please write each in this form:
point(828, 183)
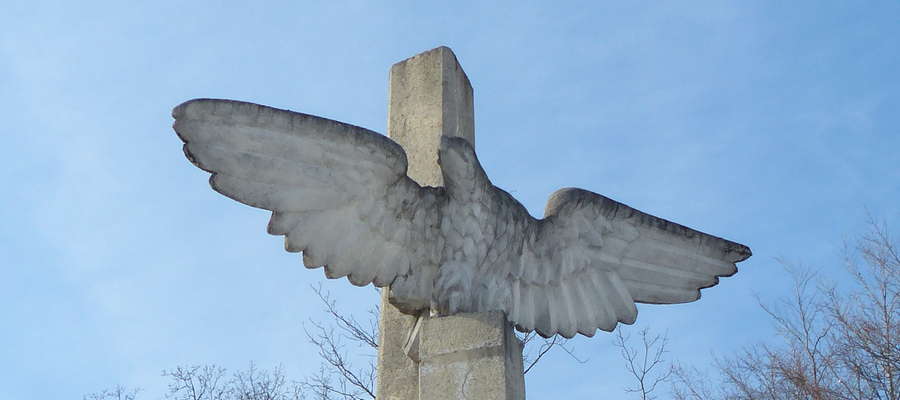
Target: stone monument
point(461, 261)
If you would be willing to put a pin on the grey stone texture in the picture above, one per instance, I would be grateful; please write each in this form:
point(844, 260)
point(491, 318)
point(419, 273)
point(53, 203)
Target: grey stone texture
point(470, 356)
point(398, 374)
point(474, 355)
point(429, 97)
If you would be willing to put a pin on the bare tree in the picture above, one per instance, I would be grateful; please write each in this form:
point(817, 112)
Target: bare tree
point(117, 393)
point(806, 361)
point(645, 362)
point(868, 318)
point(689, 383)
point(799, 365)
point(206, 382)
point(832, 342)
point(255, 384)
point(210, 382)
point(337, 377)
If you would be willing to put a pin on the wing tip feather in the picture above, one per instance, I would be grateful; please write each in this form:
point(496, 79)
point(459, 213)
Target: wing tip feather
point(568, 198)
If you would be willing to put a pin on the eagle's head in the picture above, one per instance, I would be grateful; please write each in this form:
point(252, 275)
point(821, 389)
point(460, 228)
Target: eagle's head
point(459, 165)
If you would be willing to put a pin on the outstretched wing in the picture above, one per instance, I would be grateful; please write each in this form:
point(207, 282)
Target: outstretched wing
point(339, 193)
point(591, 258)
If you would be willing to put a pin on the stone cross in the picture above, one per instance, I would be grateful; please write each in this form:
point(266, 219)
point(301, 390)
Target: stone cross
point(460, 260)
point(468, 355)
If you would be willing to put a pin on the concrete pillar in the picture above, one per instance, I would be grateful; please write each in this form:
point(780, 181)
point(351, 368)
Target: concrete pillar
point(474, 356)
point(430, 97)
point(470, 356)
point(398, 375)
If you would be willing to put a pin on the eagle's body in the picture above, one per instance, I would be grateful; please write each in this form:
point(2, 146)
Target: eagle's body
point(340, 194)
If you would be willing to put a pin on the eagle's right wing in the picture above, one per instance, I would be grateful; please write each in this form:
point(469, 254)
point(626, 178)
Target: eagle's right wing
point(338, 192)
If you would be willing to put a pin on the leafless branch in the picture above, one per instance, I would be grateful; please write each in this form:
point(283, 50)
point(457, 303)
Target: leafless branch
point(535, 347)
point(645, 363)
point(337, 377)
point(348, 325)
point(119, 392)
point(833, 341)
point(690, 384)
point(197, 382)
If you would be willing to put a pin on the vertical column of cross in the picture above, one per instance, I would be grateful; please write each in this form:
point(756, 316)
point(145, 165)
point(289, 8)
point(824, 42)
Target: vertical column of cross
point(430, 97)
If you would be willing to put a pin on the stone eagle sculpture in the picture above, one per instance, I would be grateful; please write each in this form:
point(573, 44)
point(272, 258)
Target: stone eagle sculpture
point(341, 195)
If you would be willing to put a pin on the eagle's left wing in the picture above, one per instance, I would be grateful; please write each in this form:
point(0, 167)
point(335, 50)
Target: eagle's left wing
point(585, 265)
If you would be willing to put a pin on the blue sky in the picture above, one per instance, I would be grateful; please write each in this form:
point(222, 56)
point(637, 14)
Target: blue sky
point(774, 124)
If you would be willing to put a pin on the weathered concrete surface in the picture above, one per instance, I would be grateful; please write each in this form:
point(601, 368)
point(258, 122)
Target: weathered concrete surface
point(429, 94)
point(431, 98)
point(398, 375)
point(470, 356)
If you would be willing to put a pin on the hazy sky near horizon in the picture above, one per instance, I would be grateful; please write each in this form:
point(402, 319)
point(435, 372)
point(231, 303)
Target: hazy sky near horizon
point(773, 124)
